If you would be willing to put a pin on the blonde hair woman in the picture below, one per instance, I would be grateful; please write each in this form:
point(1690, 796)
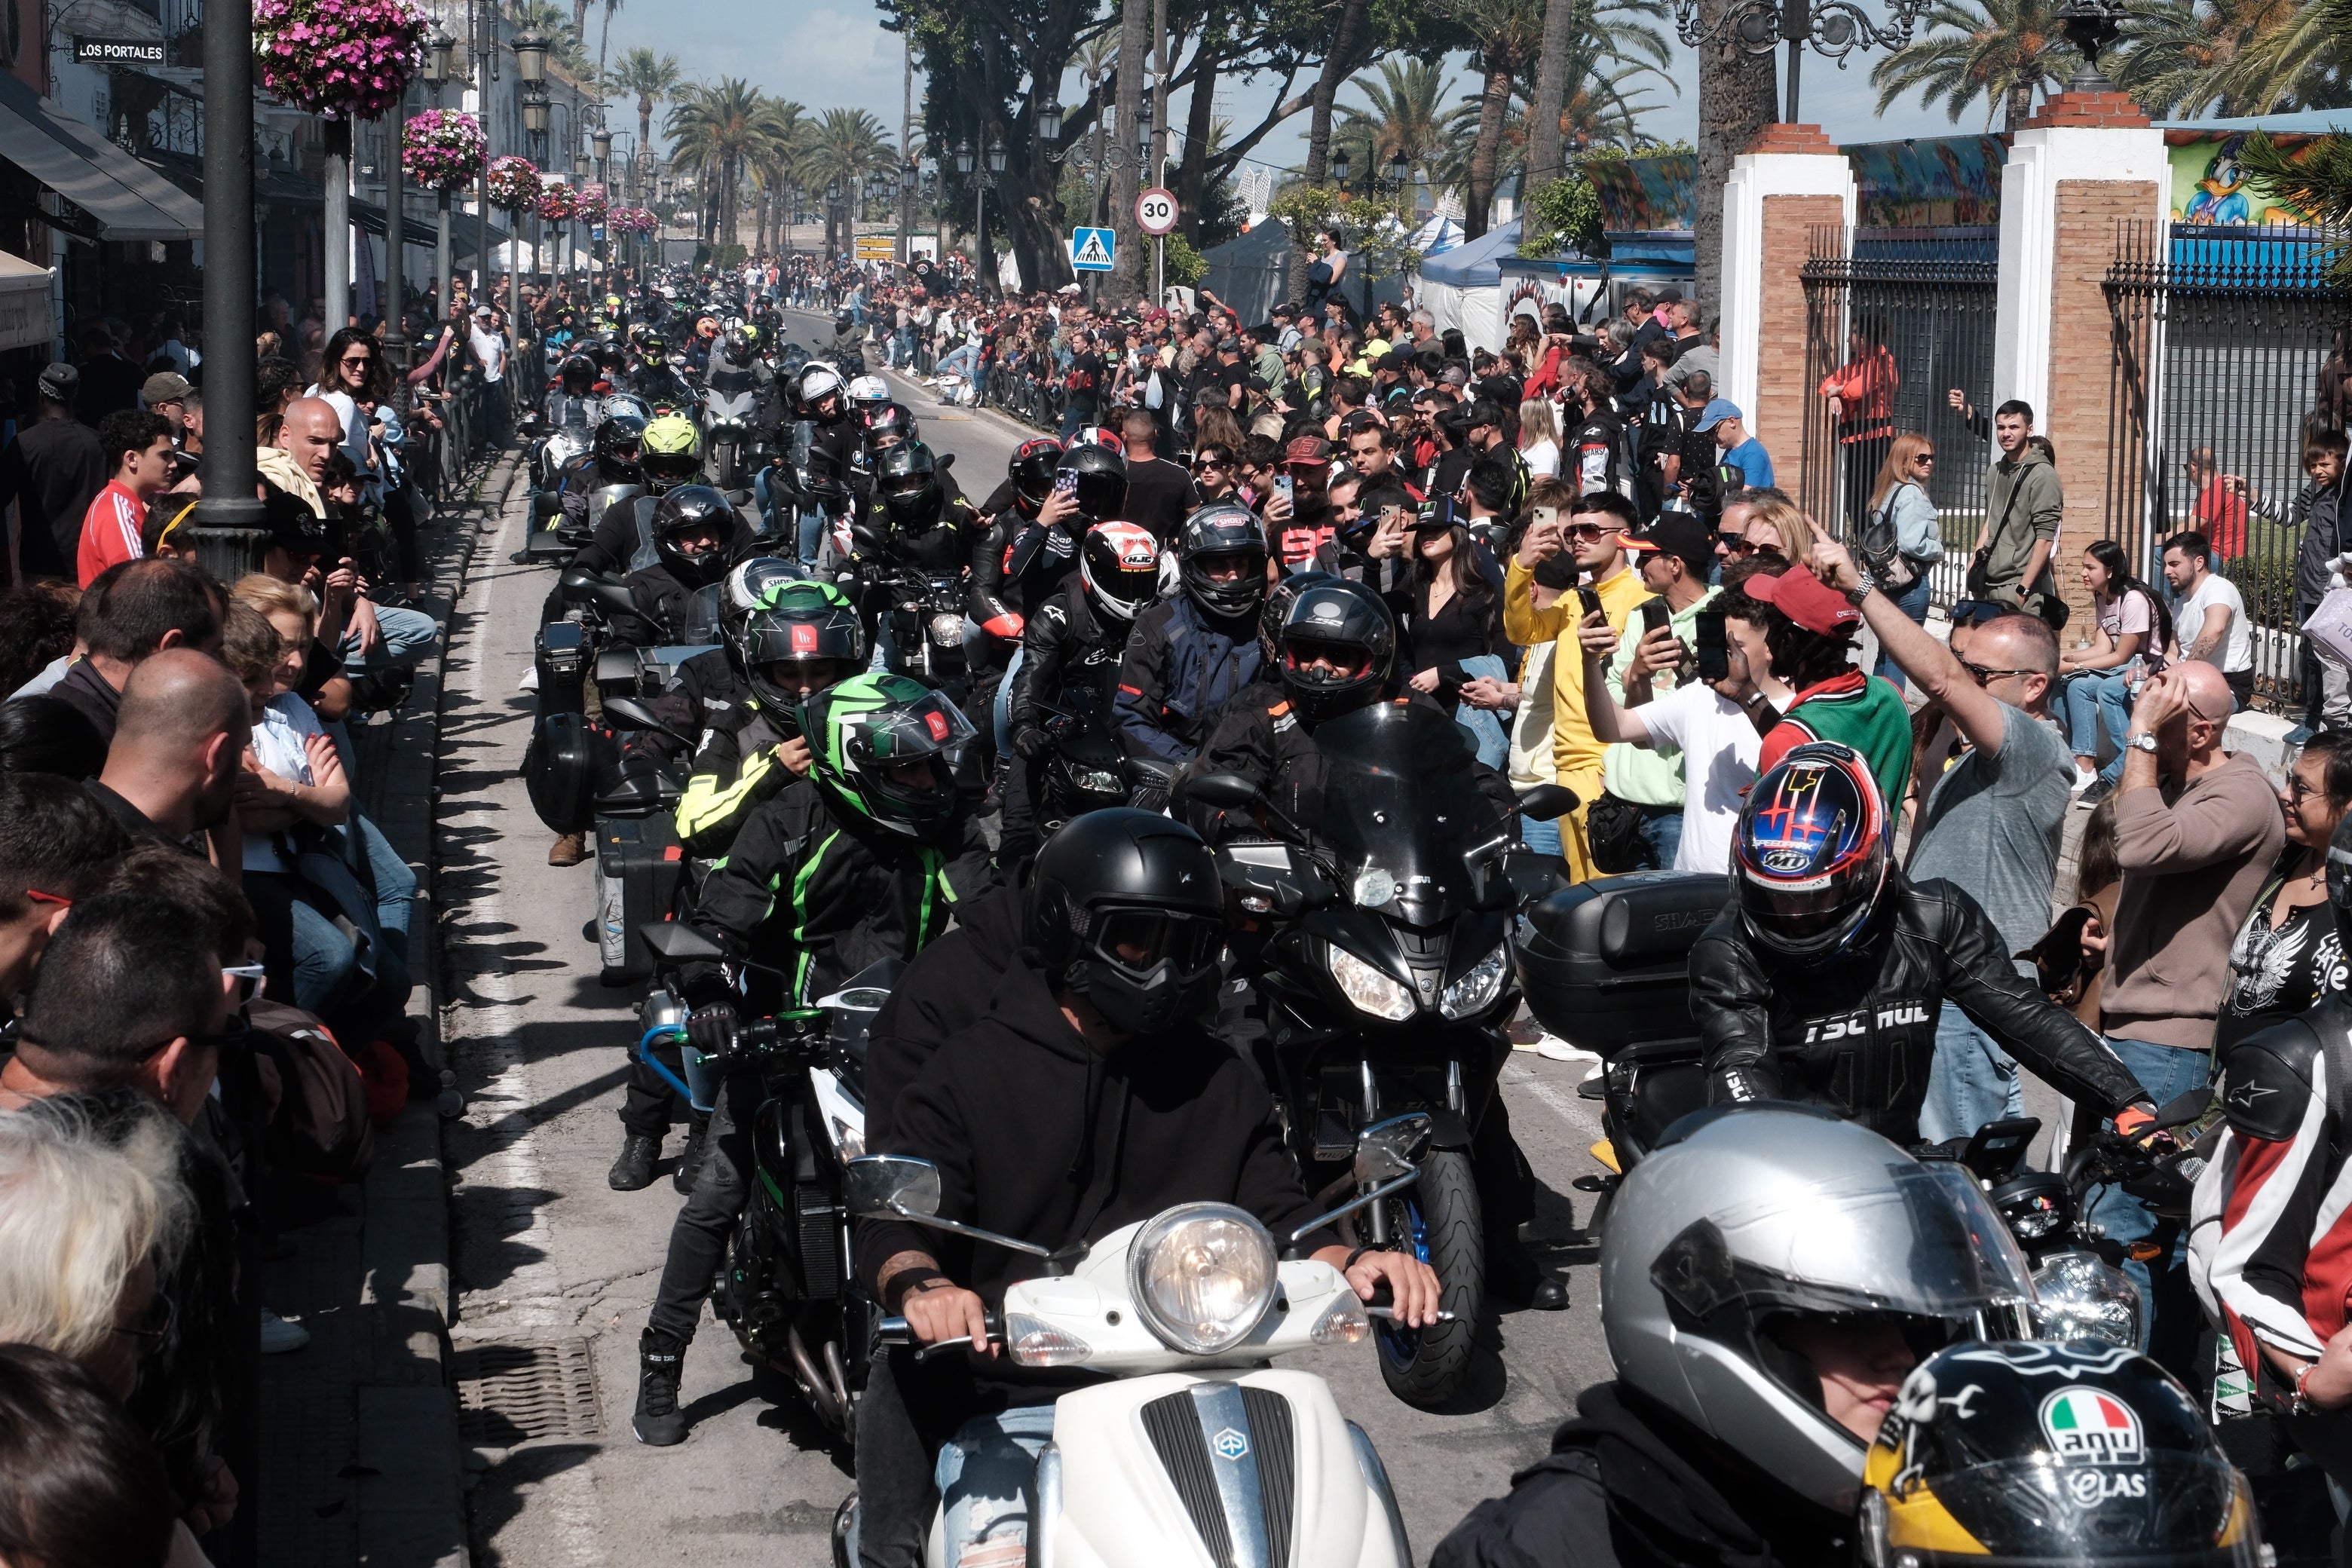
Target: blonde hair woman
point(1901, 534)
point(1539, 439)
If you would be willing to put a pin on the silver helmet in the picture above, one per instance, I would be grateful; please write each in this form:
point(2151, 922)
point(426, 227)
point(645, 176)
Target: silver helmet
point(1753, 1214)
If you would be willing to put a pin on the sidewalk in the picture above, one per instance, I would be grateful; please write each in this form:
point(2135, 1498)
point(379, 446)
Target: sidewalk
point(359, 1456)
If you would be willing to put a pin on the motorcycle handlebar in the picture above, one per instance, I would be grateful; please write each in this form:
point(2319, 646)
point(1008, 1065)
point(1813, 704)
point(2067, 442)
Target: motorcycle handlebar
point(897, 1331)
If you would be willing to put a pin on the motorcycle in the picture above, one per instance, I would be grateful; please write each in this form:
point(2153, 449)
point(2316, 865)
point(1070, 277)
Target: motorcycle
point(729, 424)
point(1386, 967)
point(924, 616)
point(1086, 771)
point(1186, 1455)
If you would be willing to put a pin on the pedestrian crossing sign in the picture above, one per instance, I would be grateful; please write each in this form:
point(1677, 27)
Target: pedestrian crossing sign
point(1091, 250)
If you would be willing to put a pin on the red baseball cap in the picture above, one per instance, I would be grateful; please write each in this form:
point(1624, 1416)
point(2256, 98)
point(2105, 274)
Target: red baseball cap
point(1307, 449)
point(1800, 595)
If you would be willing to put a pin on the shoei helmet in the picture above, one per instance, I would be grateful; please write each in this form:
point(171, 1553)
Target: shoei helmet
point(747, 585)
point(1750, 1224)
point(1228, 533)
point(1119, 566)
point(869, 393)
point(740, 343)
point(907, 480)
point(1809, 854)
point(790, 636)
point(686, 516)
point(578, 372)
point(888, 424)
point(2047, 1452)
point(673, 449)
point(1335, 648)
point(1101, 479)
point(620, 446)
point(1031, 470)
point(881, 744)
point(1125, 908)
point(820, 383)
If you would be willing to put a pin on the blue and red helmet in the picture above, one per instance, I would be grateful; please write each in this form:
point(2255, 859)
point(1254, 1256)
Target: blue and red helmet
point(1811, 853)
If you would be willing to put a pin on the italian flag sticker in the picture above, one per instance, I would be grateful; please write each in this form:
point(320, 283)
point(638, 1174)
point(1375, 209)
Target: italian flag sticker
point(2086, 1424)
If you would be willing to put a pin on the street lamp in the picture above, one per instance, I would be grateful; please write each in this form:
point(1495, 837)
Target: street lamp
point(1400, 170)
point(1049, 121)
point(531, 55)
point(439, 48)
point(1341, 167)
point(1835, 28)
point(964, 156)
point(996, 156)
point(2090, 26)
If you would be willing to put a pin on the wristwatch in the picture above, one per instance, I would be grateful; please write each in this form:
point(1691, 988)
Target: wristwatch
point(1863, 589)
point(2143, 741)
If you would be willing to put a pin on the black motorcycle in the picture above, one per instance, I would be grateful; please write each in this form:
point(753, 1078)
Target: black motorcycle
point(1086, 770)
point(1385, 962)
point(923, 616)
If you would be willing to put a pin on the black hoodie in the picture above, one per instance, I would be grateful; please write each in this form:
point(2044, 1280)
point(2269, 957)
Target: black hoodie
point(944, 992)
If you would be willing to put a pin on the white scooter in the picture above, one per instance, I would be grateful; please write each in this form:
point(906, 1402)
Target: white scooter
point(1198, 1455)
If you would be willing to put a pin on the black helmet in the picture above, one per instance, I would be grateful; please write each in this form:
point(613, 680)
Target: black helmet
point(794, 624)
point(738, 344)
point(1221, 533)
point(1335, 648)
point(1031, 470)
point(620, 447)
point(652, 348)
point(1809, 853)
point(1125, 909)
point(862, 729)
point(2066, 1454)
point(889, 424)
point(789, 359)
point(686, 509)
point(845, 319)
point(579, 375)
point(1101, 480)
point(906, 479)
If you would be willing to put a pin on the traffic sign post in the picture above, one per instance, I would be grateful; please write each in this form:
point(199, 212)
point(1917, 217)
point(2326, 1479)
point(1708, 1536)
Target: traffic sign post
point(1093, 249)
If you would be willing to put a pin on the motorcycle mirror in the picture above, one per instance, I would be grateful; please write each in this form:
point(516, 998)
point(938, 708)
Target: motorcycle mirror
point(1545, 802)
point(2184, 1110)
point(1385, 1150)
point(679, 944)
point(878, 1186)
point(944, 461)
point(1228, 792)
point(627, 713)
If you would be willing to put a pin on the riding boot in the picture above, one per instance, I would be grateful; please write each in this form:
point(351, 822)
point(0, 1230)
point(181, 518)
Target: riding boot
point(660, 1423)
point(689, 1164)
point(634, 1171)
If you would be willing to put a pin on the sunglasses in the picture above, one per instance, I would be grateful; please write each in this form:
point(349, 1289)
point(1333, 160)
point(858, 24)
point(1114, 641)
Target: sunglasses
point(1592, 530)
point(1984, 677)
point(249, 978)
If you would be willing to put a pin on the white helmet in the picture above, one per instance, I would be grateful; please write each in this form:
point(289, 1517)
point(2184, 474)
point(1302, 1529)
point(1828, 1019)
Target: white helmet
point(818, 380)
point(870, 392)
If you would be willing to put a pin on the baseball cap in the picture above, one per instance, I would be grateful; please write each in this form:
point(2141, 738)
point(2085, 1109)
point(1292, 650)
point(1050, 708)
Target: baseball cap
point(1716, 411)
point(164, 386)
point(1307, 449)
point(1676, 533)
point(60, 383)
point(1800, 595)
point(1666, 297)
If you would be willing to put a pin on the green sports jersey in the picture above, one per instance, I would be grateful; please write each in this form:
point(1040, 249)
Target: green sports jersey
point(1853, 709)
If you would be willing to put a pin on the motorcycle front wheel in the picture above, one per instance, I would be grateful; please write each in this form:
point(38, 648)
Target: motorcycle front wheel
point(1438, 1220)
point(722, 465)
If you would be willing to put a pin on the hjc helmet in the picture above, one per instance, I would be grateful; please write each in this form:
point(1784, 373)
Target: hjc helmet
point(620, 447)
point(1101, 479)
point(1809, 855)
point(1031, 470)
point(860, 729)
point(906, 480)
point(690, 509)
point(1119, 566)
point(2051, 1452)
point(673, 452)
point(1219, 531)
point(1125, 909)
point(795, 623)
point(1335, 648)
point(819, 381)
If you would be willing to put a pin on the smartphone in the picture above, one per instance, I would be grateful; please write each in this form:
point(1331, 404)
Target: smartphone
point(1655, 613)
point(1286, 487)
point(1588, 597)
point(1066, 481)
point(1714, 653)
point(1547, 517)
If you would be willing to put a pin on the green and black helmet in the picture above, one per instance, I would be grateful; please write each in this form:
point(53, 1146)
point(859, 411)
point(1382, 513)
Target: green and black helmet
point(801, 637)
point(866, 732)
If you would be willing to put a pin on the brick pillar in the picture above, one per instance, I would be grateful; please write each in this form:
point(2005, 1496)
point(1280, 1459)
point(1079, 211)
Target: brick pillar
point(2084, 163)
point(1791, 180)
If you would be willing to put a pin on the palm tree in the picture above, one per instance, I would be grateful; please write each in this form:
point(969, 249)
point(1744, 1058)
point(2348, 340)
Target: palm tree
point(1403, 113)
point(2003, 51)
point(2242, 57)
point(2314, 180)
point(563, 45)
point(1603, 109)
point(651, 79)
point(718, 133)
point(846, 145)
point(605, 37)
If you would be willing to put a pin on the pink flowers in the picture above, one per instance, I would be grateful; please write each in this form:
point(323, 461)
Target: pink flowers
point(631, 220)
point(339, 59)
point(514, 184)
point(591, 207)
point(441, 150)
point(556, 203)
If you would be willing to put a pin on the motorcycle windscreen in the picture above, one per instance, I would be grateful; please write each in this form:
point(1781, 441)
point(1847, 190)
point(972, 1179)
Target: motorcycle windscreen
point(702, 626)
point(1400, 805)
point(605, 496)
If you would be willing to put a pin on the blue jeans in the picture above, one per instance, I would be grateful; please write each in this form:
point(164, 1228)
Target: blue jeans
point(406, 635)
point(2173, 1317)
point(1543, 838)
point(1487, 734)
point(1973, 1081)
point(2099, 699)
point(395, 902)
point(963, 362)
point(1662, 836)
point(1912, 602)
point(988, 1476)
point(902, 347)
point(1074, 419)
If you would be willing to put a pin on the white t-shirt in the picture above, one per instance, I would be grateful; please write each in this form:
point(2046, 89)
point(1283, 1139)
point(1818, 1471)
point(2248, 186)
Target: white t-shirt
point(1719, 748)
point(1543, 459)
point(2237, 649)
point(287, 721)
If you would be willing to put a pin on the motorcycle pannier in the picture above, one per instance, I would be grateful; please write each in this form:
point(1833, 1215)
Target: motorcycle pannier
point(1608, 965)
point(566, 756)
point(639, 864)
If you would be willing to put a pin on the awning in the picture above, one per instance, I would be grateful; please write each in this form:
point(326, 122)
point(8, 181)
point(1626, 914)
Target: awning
point(27, 320)
point(127, 200)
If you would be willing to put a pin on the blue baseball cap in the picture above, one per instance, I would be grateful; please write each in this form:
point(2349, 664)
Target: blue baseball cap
point(1716, 411)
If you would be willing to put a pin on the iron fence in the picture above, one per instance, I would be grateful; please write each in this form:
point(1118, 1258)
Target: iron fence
point(1929, 300)
point(2220, 342)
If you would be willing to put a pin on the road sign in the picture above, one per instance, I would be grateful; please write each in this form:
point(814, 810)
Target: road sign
point(1155, 211)
point(877, 248)
point(1091, 250)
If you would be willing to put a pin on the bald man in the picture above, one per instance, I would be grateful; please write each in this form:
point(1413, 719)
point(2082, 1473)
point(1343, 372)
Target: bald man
point(179, 741)
point(312, 431)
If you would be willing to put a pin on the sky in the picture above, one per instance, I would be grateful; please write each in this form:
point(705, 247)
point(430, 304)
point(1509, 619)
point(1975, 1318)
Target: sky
point(836, 55)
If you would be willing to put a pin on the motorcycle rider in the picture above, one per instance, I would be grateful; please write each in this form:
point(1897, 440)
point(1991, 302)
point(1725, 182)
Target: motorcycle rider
point(912, 525)
point(861, 861)
point(1107, 1029)
point(575, 400)
point(736, 367)
point(654, 379)
point(694, 530)
point(1820, 982)
point(847, 349)
point(669, 455)
point(1192, 654)
point(615, 457)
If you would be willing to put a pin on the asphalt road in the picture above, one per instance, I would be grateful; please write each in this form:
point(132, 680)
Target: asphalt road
point(546, 1253)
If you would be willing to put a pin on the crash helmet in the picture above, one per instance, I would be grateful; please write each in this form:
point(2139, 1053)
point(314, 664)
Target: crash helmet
point(820, 394)
point(1124, 908)
point(889, 424)
point(620, 447)
point(866, 393)
point(578, 374)
point(747, 583)
point(673, 449)
point(906, 480)
point(707, 328)
point(1102, 435)
point(1031, 470)
point(1278, 600)
point(2063, 1453)
point(1809, 854)
point(1335, 649)
point(1223, 530)
point(740, 343)
point(863, 730)
point(1101, 481)
point(845, 319)
point(786, 643)
point(652, 348)
point(687, 510)
point(1752, 1231)
point(790, 358)
point(567, 446)
point(1119, 566)
point(616, 403)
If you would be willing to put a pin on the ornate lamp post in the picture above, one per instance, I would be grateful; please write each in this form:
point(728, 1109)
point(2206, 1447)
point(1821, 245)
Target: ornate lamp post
point(2090, 26)
point(1835, 28)
point(439, 46)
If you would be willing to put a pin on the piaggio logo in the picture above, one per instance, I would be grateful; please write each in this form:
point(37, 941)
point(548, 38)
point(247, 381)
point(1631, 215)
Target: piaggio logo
point(1230, 1445)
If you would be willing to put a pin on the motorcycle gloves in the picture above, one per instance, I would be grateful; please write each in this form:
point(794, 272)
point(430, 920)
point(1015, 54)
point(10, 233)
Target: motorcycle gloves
point(712, 1029)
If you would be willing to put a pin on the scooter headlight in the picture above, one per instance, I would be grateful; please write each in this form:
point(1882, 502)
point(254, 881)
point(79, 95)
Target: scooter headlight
point(1478, 990)
point(2078, 1297)
point(1203, 1276)
point(1368, 988)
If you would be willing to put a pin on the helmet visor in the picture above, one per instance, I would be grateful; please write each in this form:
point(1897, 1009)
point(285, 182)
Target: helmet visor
point(2155, 1509)
point(1319, 661)
point(671, 468)
point(929, 727)
point(1139, 941)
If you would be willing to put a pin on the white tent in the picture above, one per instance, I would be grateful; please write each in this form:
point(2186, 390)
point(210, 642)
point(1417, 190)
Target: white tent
point(1463, 287)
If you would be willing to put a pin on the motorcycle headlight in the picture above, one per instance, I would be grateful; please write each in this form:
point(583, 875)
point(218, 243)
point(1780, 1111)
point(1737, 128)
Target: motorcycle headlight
point(1203, 1276)
point(1478, 988)
point(946, 630)
point(2078, 1297)
point(1369, 989)
point(1099, 782)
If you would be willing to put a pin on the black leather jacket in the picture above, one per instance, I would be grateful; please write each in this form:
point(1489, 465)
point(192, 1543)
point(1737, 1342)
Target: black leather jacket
point(1857, 1035)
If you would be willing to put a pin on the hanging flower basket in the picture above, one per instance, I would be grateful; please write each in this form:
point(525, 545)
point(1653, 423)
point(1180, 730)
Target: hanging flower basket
point(341, 59)
point(557, 203)
point(514, 184)
point(591, 208)
point(441, 150)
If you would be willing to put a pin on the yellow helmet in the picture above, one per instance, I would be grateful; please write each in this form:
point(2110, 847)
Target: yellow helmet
point(672, 452)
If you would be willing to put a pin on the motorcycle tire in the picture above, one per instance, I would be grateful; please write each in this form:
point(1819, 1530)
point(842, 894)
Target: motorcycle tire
point(1442, 1224)
point(723, 468)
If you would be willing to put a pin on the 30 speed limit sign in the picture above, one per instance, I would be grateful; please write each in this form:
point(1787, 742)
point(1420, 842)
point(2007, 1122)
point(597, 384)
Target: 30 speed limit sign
point(1155, 211)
